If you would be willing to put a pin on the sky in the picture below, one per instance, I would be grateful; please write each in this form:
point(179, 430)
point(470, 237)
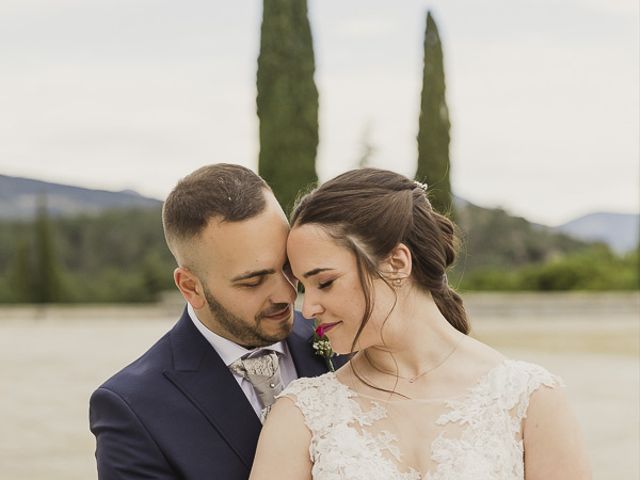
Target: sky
point(135, 94)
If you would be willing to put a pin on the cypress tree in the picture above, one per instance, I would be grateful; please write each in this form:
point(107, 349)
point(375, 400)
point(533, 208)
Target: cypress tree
point(287, 99)
point(20, 277)
point(433, 133)
point(47, 285)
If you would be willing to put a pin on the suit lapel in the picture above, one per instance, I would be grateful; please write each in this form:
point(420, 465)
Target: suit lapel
point(201, 375)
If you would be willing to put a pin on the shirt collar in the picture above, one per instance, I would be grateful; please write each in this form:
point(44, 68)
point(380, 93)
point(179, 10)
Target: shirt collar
point(229, 351)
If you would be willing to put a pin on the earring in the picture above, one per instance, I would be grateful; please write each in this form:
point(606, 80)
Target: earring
point(397, 282)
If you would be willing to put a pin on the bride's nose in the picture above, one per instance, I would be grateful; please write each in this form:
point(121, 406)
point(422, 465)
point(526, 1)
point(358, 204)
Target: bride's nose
point(310, 307)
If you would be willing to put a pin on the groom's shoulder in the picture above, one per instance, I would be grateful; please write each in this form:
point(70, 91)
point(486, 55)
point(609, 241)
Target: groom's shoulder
point(147, 371)
point(144, 370)
point(135, 395)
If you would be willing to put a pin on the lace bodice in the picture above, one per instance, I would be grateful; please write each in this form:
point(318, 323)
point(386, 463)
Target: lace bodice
point(474, 436)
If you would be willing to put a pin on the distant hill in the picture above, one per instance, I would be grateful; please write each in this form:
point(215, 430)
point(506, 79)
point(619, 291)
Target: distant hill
point(494, 232)
point(19, 196)
point(618, 230)
point(493, 238)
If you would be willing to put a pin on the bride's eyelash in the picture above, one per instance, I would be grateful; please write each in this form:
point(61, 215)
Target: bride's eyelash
point(322, 286)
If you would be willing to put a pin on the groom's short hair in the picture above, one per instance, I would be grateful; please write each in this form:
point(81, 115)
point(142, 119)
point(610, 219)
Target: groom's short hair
point(230, 193)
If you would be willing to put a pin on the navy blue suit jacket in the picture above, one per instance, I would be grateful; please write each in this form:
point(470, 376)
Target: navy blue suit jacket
point(178, 413)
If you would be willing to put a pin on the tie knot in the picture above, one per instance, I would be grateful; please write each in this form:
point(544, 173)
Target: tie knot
point(263, 365)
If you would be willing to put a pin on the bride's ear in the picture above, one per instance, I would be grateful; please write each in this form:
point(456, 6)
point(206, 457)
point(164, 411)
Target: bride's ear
point(397, 266)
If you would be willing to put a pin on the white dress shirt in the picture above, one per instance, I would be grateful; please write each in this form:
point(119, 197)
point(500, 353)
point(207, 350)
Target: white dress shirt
point(230, 352)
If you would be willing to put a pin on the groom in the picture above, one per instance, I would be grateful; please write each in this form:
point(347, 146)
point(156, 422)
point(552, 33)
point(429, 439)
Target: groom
point(189, 408)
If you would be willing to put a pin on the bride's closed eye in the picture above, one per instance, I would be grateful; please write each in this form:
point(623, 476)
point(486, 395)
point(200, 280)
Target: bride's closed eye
point(324, 285)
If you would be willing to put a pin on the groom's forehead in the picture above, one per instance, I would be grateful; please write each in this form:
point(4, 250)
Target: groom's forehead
point(234, 249)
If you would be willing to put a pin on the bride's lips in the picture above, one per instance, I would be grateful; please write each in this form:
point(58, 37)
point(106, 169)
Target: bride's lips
point(325, 327)
point(281, 314)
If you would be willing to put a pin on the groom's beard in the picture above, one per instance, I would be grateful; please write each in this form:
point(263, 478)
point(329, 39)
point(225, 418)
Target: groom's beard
point(247, 334)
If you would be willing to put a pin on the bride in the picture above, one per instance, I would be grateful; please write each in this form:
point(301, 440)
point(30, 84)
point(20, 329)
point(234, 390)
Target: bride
point(419, 399)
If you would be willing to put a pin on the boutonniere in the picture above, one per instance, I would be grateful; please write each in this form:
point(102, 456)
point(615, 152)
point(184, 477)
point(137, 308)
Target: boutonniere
point(322, 347)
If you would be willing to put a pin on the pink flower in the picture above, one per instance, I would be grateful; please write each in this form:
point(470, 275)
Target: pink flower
point(320, 330)
point(322, 346)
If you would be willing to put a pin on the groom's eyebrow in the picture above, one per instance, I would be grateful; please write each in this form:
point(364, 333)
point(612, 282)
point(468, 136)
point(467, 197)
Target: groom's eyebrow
point(315, 271)
point(257, 273)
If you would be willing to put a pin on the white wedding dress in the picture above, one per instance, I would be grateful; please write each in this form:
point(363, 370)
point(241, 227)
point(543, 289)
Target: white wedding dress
point(475, 436)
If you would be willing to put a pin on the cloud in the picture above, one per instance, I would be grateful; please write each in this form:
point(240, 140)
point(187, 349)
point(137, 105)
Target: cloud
point(366, 27)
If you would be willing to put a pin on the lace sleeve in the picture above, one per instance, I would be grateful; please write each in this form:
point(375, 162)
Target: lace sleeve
point(527, 379)
point(319, 400)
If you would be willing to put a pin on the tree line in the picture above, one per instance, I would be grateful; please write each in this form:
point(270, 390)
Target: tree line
point(121, 256)
point(117, 256)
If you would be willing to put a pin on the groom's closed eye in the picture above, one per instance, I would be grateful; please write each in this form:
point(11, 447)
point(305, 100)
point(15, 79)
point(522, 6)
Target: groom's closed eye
point(252, 279)
point(256, 283)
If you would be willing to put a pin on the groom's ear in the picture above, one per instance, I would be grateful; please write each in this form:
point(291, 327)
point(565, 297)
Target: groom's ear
point(190, 287)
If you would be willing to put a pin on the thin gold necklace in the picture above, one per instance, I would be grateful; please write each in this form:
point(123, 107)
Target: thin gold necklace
point(421, 374)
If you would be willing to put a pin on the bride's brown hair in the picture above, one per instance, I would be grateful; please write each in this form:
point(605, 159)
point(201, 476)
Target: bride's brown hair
point(370, 211)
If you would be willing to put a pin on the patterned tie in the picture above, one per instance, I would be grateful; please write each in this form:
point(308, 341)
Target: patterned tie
point(263, 372)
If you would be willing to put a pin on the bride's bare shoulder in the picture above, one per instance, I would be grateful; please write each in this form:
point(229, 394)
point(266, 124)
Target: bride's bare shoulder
point(283, 446)
point(479, 355)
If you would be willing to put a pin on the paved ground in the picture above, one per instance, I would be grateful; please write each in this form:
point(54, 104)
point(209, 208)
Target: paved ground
point(49, 367)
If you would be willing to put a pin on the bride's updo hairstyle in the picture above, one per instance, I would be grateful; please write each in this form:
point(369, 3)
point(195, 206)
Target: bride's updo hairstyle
point(370, 211)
